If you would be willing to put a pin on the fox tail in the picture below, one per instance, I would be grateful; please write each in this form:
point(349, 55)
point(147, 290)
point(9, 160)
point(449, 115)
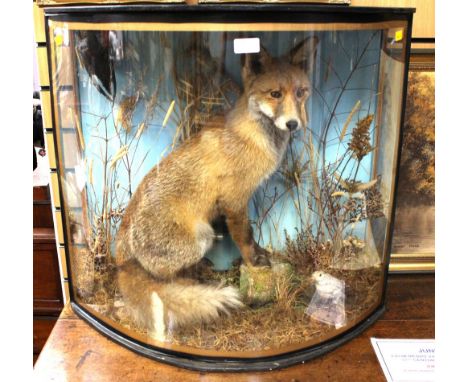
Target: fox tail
point(161, 306)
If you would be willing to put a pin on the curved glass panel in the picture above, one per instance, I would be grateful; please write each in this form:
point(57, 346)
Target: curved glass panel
point(228, 188)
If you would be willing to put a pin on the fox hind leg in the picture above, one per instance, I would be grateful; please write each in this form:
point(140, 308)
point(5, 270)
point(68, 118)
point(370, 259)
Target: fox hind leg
point(143, 279)
point(180, 249)
point(204, 235)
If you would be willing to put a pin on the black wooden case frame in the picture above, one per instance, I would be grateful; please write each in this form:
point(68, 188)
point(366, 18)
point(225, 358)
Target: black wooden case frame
point(230, 13)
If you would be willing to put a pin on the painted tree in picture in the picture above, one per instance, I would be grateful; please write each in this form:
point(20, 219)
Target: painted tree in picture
point(414, 224)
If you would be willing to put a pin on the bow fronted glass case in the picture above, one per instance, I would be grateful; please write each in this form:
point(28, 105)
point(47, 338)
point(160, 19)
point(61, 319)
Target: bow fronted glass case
point(227, 174)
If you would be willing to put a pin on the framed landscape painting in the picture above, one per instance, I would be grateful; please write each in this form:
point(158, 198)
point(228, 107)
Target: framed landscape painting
point(414, 228)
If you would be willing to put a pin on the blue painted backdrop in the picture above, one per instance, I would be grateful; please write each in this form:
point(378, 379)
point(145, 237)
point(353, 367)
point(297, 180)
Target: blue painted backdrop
point(346, 71)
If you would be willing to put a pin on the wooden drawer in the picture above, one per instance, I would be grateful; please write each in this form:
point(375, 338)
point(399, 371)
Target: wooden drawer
point(41, 193)
point(42, 215)
point(42, 326)
point(42, 209)
point(47, 292)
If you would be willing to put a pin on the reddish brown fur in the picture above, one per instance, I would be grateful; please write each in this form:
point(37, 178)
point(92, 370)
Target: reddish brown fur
point(166, 226)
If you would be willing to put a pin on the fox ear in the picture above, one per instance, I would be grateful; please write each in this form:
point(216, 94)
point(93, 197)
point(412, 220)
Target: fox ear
point(304, 53)
point(254, 63)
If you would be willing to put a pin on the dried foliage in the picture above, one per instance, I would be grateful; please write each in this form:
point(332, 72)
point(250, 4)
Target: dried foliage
point(305, 253)
point(204, 91)
point(279, 324)
point(106, 205)
point(360, 143)
point(374, 202)
point(125, 113)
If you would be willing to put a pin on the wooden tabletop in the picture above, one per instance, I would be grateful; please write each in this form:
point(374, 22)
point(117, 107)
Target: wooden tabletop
point(77, 352)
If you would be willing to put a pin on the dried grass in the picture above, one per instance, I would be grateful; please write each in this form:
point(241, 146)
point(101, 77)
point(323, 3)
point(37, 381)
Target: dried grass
point(271, 326)
point(282, 323)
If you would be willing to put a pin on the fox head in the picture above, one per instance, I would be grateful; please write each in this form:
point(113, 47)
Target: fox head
point(278, 88)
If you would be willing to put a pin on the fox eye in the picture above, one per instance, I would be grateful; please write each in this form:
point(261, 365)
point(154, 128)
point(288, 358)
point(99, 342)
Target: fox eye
point(300, 92)
point(276, 94)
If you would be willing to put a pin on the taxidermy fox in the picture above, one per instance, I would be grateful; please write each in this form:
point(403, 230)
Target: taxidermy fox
point(166, 225)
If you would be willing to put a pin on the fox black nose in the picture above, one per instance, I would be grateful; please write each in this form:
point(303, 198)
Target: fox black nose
point(292, 124)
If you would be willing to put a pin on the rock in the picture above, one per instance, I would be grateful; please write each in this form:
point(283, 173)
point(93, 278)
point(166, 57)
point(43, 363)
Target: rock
point(258, 284)
point(282, 270)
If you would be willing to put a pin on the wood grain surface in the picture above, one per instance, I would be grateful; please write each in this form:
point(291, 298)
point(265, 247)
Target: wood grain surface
point(424, 18)
point(76, 352)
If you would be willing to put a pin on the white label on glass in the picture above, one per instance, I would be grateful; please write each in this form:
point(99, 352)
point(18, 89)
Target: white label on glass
point(246, 45)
